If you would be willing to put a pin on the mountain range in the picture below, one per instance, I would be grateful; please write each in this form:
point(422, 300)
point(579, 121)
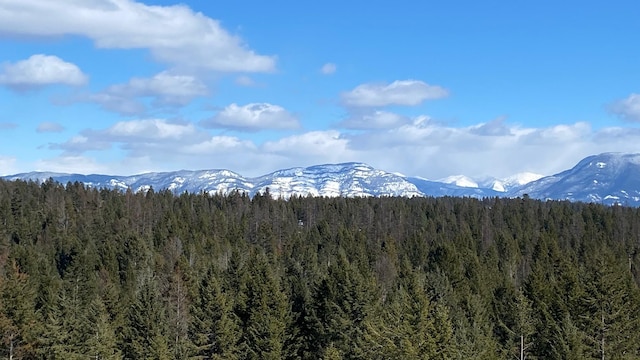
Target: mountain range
point(609, 178)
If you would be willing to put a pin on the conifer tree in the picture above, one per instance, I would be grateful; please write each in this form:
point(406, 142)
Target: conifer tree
point(214, 330)
point(19, 324)
point(102, 342)
point(145, 333)
point(610, 313)
point(411, 325)
point(266, 312)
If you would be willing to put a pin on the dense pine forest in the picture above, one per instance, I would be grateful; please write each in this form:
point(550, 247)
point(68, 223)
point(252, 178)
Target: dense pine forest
point(102, 274)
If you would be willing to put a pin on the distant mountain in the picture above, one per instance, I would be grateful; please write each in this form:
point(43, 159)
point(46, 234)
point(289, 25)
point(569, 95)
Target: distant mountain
point(512, 182)
point(610, 178)
point(347, 179)
point(460, 180)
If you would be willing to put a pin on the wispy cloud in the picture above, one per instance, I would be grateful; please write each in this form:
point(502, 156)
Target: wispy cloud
point(399, 92)
point(49, 127)
point(8, 125)
point(627, 108)
point(136, 136)
point(244, 80)
point(373, 120)
point(167, 89)
point(328, 68)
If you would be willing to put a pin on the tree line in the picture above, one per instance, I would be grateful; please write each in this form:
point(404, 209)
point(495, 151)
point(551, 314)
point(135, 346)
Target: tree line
point(105, 274)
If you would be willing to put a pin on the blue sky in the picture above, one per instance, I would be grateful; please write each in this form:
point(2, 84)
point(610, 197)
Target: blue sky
point(430, 89)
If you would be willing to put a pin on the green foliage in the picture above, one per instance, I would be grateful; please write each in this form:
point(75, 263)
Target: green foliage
point(214, 331)
point(145, 334)
point(88, 273)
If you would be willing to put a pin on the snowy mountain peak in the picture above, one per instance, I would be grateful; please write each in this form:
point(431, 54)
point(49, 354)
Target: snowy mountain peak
point(346, 179)
point(460, 180)
point(522, 178)
point(609, 178)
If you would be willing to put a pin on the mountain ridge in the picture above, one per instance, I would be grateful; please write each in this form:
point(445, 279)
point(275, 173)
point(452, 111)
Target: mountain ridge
point(608, 178)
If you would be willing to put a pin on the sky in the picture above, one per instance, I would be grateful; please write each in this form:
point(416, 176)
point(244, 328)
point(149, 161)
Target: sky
point(422, 88)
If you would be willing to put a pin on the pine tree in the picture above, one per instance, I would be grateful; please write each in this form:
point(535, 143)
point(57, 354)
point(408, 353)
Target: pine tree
point(266, 312)
point(611, 309)
point(343, 300)
point(214, 330)
point(19, 325)
point(102, 342)
point(145, 334)
point(411, 326)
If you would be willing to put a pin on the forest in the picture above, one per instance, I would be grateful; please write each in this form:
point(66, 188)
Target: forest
point(91, 273)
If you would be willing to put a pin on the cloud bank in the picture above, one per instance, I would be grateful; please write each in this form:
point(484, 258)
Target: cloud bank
point(420, 147)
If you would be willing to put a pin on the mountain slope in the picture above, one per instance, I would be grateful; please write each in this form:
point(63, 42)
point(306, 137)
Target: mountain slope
point(609, 178)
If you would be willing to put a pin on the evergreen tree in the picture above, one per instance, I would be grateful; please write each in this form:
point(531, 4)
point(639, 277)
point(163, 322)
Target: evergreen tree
point(145, 334)
point(214, 330)
point(265, 314)
point(102, 342)
point(610, 315)
point(18, 320)
point(411, 326)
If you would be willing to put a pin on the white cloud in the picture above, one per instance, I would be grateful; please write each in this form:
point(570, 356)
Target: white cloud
point(149, 130)
point(328, 68)
point(40, 70)
point(166, 88)
point(435, 150)
point(421, 147)
point(494, 127)
point(399, 92)
point(220, 144)
point(116, 103)
point(139, 137)
point(49, 127)
point(80, 144)
point(174, 34)
point(253, 117)
point(374, 120)
point(628, 108)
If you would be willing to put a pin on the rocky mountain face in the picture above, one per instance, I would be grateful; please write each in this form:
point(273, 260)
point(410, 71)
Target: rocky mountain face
point(610, 178)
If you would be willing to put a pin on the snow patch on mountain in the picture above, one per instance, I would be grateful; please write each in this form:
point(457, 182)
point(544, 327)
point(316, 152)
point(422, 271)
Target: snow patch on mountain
point(511, 182)
point(460, 180)
point(610, 178)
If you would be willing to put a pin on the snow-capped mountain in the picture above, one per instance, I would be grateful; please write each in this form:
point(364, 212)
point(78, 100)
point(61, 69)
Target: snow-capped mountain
point(460, 180)
point(510, 183)
point(608, 178)
point(177, 181)
point(348, 179)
